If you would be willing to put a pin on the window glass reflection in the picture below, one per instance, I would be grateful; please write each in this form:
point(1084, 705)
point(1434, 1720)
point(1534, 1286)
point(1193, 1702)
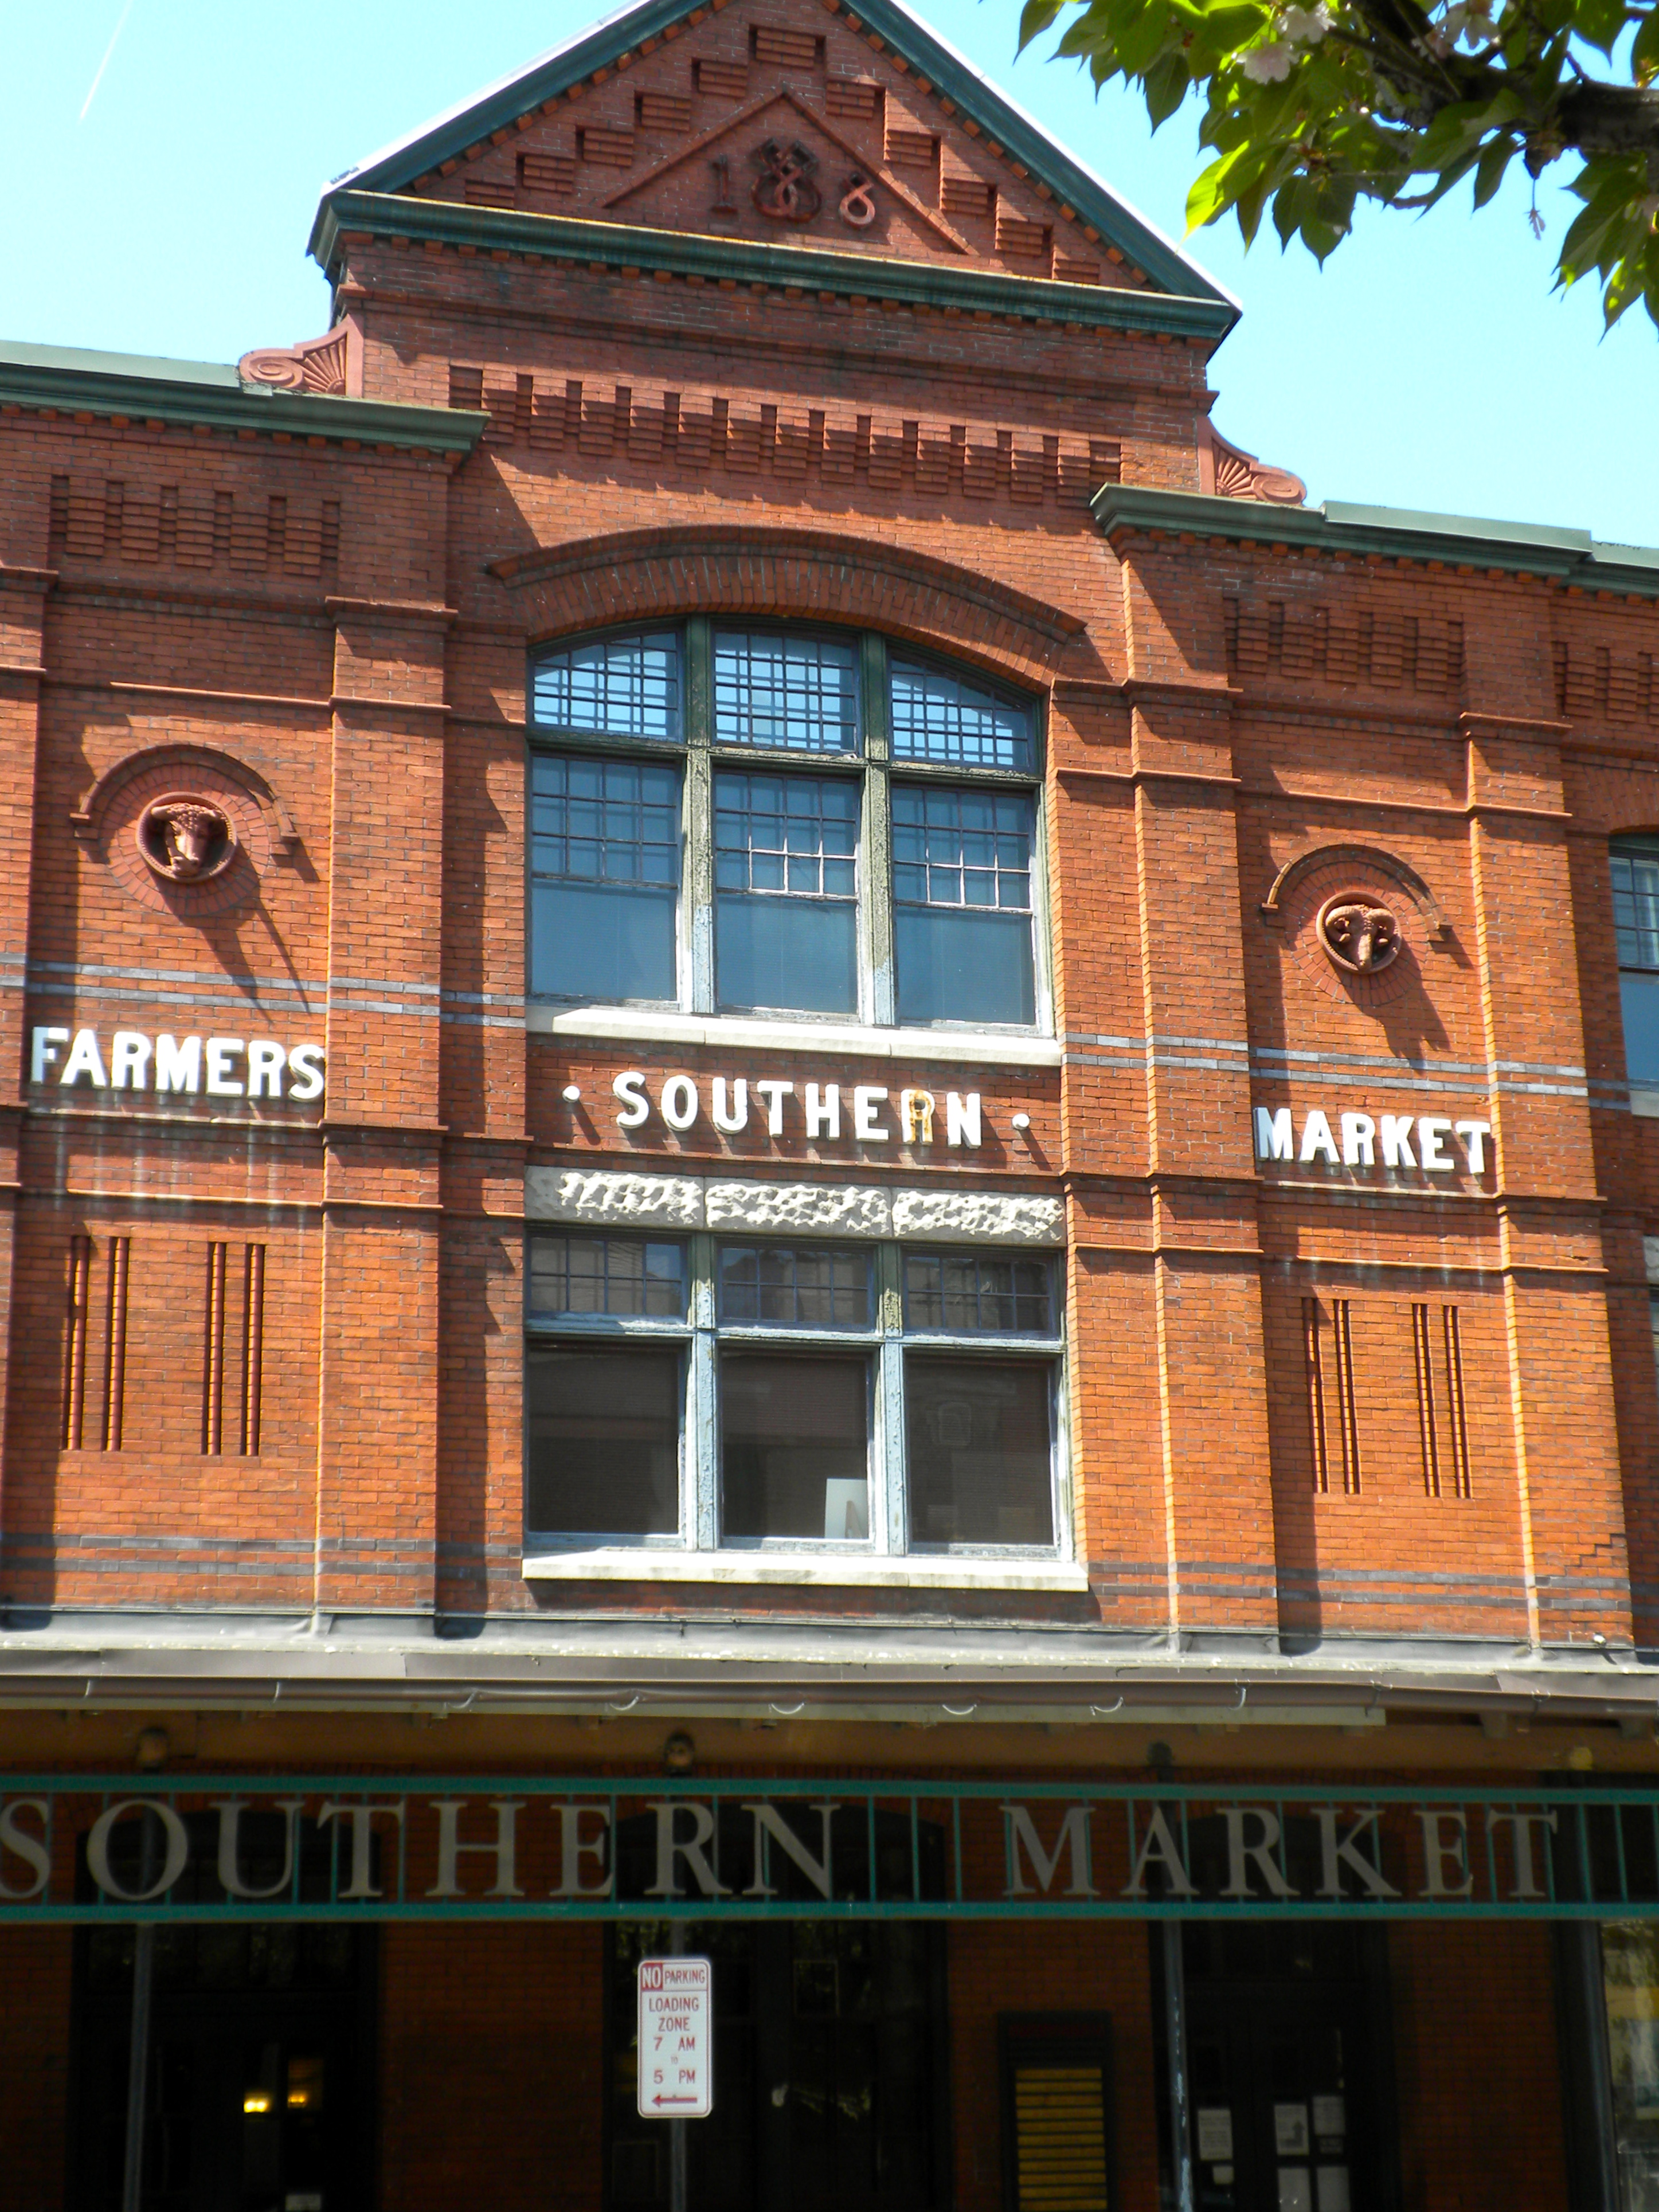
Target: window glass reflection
point(785, 872)
point(621, 1275)
point(962, 905)
point(937, 717)
point(797, 1287)
point(604, 1427)
point(795, 1448)
point(800, 692)
point(964, 1292)
point(605, 872)
point(619, 687)
point(977, 1435)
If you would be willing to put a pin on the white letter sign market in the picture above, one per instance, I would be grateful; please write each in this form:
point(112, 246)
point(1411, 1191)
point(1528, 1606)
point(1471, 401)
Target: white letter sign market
point(677, 2039)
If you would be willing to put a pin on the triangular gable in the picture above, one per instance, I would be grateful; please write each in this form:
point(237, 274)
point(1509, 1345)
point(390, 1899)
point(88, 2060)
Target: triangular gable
point(627, 122)
point(777, 143)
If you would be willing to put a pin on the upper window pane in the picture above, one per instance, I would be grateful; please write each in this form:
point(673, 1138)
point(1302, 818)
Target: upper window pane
point(937, 717)
point(801, 692)
point(607, 1275)
point(971, 1294)
point(1635, 907)
point(968, 848)
point(785, 876)
point(617, 687)
point(605, 861)
point(962, 905)
point(809, 1287)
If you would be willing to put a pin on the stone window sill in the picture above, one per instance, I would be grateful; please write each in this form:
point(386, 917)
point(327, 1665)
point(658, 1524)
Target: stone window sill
point(649, 1562)
point(736, 1032)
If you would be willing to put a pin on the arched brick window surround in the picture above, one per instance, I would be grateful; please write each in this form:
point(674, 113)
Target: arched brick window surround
point(792, 574)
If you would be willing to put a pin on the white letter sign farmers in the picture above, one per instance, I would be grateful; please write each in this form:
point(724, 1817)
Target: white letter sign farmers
point(677, 2039)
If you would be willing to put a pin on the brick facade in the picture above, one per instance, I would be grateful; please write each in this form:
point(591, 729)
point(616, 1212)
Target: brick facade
point(263, 1358)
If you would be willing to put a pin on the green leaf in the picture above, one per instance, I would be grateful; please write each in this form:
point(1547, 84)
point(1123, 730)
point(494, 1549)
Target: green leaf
point(1644, 49)
point(1599, 22)
point(1458, 129)
point(1167, 83)
point(1214, 189)
point(1489, 172)
point(1035, 18)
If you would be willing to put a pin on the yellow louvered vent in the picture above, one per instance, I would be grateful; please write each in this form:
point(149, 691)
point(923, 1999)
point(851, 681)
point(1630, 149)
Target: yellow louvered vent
point(1059, 2138)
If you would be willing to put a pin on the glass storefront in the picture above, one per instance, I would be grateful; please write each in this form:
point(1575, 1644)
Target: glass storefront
point(1630, 1972)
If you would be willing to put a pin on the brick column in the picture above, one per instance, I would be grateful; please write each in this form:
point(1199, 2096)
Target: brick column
point(1186, 1278)
point(1550, 1242)
point(24, 594)
point(378, 1448)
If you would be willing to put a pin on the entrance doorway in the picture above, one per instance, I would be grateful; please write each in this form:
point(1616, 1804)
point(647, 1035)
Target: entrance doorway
point(1287, 2041)
point(259, 2086)
point(829, 2070)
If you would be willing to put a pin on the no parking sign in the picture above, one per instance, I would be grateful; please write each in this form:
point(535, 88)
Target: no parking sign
point(677, 2039)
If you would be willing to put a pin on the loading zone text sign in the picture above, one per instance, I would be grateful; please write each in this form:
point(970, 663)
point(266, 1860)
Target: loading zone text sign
point(677, 2039)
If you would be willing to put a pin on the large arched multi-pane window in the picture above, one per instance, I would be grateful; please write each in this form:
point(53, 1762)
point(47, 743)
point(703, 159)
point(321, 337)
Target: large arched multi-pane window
point(744, 820)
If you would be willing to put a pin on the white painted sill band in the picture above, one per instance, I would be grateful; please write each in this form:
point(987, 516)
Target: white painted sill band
point(648, 1564)
point(954, 1047)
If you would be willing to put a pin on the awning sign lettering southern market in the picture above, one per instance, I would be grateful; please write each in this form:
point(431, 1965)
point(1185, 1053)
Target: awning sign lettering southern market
point(81, 1849)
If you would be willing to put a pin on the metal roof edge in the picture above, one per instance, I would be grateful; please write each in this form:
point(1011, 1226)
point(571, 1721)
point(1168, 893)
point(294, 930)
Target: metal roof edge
point(1394, 533)
point(86, 384)
point(503, 103)
point(822, 269)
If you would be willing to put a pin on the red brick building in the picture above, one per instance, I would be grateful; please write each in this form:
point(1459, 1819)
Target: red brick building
point(818, 1152)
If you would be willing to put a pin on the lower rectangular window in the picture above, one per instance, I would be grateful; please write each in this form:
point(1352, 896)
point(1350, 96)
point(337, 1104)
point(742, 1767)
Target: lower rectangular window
point(848, 1397)
point(979, 1451)
point(795, 1445)
point(604, 1438)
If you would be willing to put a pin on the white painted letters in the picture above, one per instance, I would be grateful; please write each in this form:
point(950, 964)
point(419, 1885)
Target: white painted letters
point(1311, 1143)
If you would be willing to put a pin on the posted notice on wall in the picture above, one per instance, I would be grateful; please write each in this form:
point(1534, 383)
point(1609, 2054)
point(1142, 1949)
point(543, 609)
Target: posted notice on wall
point(677, 2039)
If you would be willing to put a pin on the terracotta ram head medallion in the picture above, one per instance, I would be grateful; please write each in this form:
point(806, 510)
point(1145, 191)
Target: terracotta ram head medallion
point(186, 839)
point(1359, 936)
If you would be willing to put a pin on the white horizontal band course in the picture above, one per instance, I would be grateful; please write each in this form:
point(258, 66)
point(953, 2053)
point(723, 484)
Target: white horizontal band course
point(953, 1047)
point(648, 1563)
point(622, 1198)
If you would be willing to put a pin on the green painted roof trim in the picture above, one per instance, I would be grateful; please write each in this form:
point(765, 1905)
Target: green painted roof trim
point(1391, 532)
point(813, 269)
point(190, 392)
point(949, 73)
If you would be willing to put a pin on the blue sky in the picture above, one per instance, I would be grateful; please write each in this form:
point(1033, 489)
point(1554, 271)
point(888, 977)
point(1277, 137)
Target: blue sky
point(1428, 366)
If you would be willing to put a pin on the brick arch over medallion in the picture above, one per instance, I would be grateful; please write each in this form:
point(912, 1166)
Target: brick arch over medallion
point(794, 574)
point(1308, 883)
point(1355, 856)
point(108, 818)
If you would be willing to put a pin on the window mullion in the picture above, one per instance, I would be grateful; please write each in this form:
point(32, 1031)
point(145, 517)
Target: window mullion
point(889, 1525)
point(699, 928)
point(876, 920)
point(700, 1516)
